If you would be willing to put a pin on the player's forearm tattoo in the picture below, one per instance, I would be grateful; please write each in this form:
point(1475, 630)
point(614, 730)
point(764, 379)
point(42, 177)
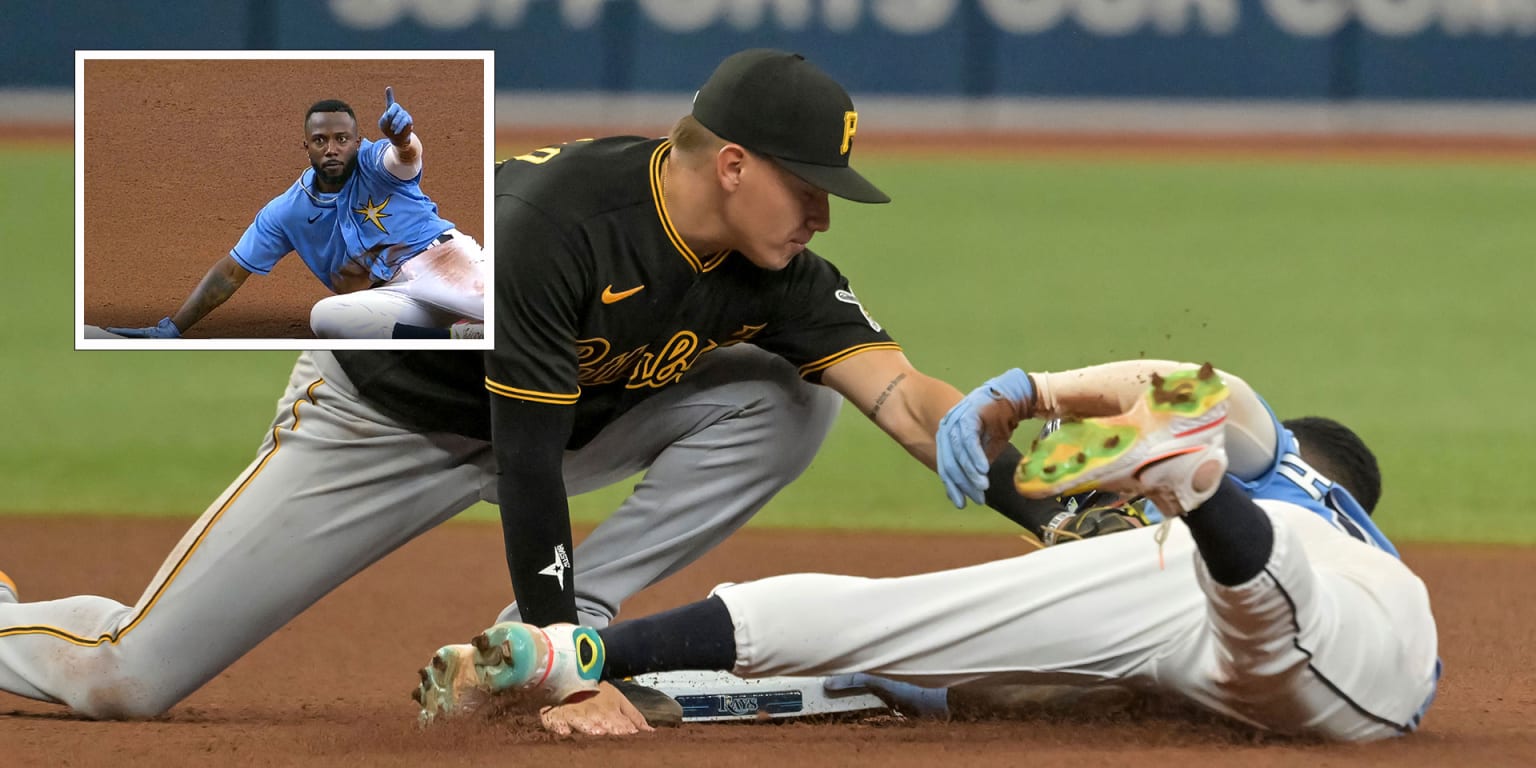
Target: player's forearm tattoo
point(219, 289)
point(215, 289)
point(889, 388)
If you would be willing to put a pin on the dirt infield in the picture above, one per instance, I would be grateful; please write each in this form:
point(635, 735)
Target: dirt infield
point(332, 688)
point(180, 155)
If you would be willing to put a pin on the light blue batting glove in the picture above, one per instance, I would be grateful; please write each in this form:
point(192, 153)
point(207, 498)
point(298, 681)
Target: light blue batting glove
point(165, 329)
point(962, 459)
point(395, 122)
point(906, 698)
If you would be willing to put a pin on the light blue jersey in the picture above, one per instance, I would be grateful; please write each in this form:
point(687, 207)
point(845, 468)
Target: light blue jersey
point(376, 222)
point(1291, 479)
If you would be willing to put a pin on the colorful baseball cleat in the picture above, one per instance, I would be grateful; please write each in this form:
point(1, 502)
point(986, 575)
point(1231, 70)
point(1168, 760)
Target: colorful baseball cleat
point(449, 685)
point(1169, 447)
point(562, 662)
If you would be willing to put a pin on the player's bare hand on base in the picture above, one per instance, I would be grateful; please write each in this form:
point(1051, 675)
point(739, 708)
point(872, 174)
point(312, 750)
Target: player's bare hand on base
point(606, 714)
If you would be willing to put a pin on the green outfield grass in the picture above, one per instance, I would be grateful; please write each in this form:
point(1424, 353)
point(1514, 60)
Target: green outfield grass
point(1393, 297)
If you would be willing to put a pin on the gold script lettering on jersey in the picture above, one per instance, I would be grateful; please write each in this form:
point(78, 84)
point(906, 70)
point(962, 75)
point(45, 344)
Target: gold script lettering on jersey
point(644, 368)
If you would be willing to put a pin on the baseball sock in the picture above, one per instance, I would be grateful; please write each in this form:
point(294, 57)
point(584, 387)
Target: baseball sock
point(404, 331)
point(1234, 536)
point(696, 636)
point(1032, 515)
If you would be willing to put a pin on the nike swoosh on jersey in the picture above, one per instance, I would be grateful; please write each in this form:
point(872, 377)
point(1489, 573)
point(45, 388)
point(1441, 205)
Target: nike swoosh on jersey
point(315, 218)
point(609, 296)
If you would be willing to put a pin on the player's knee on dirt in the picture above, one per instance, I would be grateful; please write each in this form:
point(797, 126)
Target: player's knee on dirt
point(115, 695)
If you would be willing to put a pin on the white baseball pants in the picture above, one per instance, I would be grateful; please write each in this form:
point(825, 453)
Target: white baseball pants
point(1333, 639)
point(434, 289)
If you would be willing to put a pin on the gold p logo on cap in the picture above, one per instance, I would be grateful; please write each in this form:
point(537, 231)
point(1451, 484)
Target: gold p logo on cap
point(850, 127)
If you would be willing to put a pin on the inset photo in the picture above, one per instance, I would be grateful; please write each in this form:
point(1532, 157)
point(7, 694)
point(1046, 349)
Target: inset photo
point(283, 199)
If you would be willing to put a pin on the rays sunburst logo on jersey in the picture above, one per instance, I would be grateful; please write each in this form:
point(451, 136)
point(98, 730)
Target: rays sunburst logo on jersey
point(374, 214)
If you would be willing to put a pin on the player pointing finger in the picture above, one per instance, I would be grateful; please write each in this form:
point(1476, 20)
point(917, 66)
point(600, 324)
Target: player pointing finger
point(363, 225)
point(395, 123)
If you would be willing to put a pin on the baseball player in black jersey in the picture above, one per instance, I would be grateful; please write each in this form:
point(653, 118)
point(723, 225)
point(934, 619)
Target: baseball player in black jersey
point(657, 311)
point(622, 263)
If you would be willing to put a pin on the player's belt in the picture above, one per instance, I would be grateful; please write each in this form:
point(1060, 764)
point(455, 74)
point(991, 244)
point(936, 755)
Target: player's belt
point(433, 243)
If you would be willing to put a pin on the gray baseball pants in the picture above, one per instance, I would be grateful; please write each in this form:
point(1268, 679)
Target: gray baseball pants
point(337, 485)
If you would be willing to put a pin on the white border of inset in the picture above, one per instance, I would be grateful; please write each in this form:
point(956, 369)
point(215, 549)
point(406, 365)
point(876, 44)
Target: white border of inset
point(488, 241)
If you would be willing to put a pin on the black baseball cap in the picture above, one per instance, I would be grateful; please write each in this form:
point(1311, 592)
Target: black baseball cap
point(778, 104)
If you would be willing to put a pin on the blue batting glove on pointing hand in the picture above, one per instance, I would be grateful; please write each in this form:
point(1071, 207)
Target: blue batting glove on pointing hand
point(165, 329)
point(395, 122)
point(962, 459)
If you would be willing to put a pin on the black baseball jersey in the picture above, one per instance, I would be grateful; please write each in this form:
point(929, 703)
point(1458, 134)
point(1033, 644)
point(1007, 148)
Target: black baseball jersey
point(600, 303)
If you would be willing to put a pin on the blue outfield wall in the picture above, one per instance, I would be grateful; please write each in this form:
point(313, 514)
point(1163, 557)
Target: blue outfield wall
point(1220, 49)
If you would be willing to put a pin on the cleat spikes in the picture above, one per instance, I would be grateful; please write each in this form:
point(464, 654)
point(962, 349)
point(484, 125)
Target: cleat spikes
point(1170, 441)
point(481, 642)
point(416, 696)
point(438, 664)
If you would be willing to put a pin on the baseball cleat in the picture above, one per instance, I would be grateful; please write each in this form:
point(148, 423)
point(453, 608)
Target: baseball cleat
point(564, 662)
point(1169, 447)
point(8, 593)
point(465, 329)
point(449, 685)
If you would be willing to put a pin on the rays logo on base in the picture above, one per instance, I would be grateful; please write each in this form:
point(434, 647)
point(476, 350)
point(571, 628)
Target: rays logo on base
point(720, 696)
point(732, 706)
